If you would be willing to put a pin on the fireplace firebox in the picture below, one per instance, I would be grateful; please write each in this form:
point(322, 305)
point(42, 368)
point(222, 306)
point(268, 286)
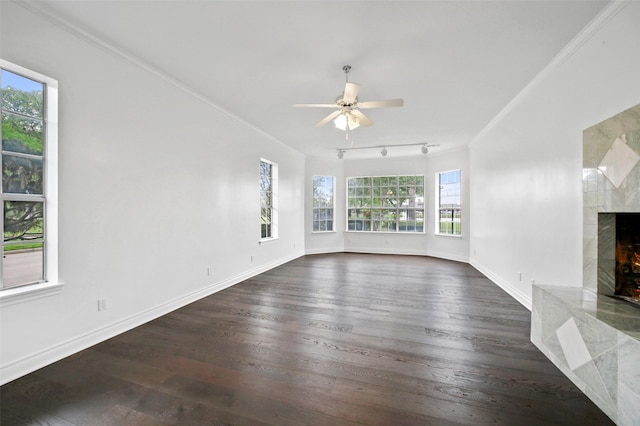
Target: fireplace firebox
point(627, 272)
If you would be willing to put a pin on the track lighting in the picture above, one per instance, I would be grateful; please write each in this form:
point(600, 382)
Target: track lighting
point(424, 148)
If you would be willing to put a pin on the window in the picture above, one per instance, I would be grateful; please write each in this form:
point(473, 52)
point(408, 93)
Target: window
point(385, 203)
point(448, 198)
point(29, 174)
point(268, 199)
point(323, 197)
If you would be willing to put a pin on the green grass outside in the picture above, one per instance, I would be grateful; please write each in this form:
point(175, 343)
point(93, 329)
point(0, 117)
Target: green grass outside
point(25, 246)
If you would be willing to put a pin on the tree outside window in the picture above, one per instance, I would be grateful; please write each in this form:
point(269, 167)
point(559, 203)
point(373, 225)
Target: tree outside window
point(268, 199)
point(449, 210)
point(323, 199)
point(24, 138)
point(385, 203)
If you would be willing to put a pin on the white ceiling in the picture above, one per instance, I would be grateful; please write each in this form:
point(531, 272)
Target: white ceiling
point(457, 64)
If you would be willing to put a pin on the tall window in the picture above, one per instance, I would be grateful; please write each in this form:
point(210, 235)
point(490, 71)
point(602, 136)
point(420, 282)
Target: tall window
point(323, 197)
point(385, 203)
point(448, 203)
point(268, 199)
point(29, 136)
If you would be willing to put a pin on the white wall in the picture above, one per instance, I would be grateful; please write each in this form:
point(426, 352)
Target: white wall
point(428, 244)
point(158, 195)
point(526, 190)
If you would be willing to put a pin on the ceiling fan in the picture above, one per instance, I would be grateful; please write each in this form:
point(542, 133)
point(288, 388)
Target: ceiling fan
point(348, 115)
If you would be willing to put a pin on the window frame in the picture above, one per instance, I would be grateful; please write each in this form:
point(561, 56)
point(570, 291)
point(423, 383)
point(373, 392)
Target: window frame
point(272, 207)
point(376, 212)
point(316, 209)
point(49, 284)
point(438, 206)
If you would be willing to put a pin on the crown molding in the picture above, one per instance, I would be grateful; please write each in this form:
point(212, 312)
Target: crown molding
point(592, 28)
point(45, 12)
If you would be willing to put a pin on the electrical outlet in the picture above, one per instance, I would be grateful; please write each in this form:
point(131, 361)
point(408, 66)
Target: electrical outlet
point(209, 270)
point(252, 258)
point(519, 276)
point(102, 305)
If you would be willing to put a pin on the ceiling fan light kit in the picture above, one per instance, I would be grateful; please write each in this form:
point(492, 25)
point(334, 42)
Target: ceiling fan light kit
point(348, 115)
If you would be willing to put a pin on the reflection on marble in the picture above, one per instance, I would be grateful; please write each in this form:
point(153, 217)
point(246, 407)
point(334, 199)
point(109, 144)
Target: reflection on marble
point(611, 184)
point(595, 341)
point(573, 347)
point(618, 161)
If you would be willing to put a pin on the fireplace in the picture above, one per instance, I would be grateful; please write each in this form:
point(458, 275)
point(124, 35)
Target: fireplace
point(627, 256)
point(589, 333)
point(611, 196)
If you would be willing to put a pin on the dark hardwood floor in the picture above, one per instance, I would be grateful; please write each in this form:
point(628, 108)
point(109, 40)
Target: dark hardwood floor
point(332, 339)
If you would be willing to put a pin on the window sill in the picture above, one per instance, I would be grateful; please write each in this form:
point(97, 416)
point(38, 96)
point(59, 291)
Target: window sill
point(447, 235)
point(28, 292)
point(387, 232)
point(323, 232)
point(267, 240)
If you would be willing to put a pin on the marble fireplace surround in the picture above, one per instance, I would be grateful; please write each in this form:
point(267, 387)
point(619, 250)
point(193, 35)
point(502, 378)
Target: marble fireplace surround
point(591, 337)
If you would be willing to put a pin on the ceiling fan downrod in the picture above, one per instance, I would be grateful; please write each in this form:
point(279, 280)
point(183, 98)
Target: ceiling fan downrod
point(346, 70)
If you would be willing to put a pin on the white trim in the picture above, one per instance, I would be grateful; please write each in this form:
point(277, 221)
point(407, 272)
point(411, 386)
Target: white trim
point(437, 234)
point(326, 250)
point(333, 203)
point(514, 292)
point(592, 28)
point(421, 233)
point(45, 13)
point(50, 158)
point(30, 363)
point(436, 203)
point(25, 293)
point(267, 240)
point(448, 256)
point(274, 200)
point(383, 250)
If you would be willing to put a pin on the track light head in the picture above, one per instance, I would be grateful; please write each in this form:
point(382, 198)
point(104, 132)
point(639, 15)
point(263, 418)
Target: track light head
point(425, 149)
point(384, 151)
point(341, 154)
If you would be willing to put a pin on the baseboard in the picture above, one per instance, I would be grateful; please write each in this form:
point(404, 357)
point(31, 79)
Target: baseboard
point(503, 284)
point(448, 256)
point(325, 250)
point(439, 255)
point(62, 350)
point(383, 250)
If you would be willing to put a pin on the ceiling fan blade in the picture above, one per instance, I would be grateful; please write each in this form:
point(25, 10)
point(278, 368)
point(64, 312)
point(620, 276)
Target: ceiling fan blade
point(350, 93)
point(328, 118)
point(314, 105)
point(381, 104)
point(362, 119)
